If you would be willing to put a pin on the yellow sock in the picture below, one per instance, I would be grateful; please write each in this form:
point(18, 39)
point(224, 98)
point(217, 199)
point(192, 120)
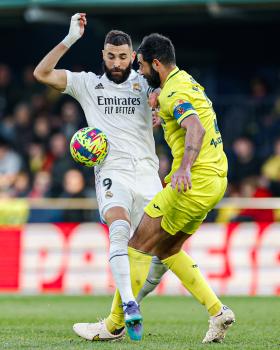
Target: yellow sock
point(139, 269)
point(188, 272)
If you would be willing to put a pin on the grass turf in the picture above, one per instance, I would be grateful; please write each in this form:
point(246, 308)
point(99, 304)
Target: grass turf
point(45, 323)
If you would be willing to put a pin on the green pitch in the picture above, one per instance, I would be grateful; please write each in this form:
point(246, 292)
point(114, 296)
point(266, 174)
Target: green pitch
point(45, 323)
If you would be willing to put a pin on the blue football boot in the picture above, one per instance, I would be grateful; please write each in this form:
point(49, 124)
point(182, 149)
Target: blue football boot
point(133, 320)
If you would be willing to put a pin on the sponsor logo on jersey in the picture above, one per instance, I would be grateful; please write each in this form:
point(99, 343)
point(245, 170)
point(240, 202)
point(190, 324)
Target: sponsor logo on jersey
point(108, 194)
point(156, 207)
point(118, 101)
point(136, 87)
point(172, 93)
point(119, 105)
point(99, 86)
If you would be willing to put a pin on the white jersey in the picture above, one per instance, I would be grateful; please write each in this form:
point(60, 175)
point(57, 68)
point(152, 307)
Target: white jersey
point(121, 111)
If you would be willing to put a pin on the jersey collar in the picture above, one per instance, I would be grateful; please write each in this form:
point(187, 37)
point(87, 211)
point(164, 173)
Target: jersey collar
point(171, 74)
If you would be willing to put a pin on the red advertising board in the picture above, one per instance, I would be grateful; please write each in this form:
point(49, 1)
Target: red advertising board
point(237, 259)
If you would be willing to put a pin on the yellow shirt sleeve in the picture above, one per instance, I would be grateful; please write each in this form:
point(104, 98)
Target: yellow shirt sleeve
point(180, 107)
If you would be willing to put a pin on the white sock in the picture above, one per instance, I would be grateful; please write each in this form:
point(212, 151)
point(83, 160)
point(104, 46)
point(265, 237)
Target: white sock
point(119, 236)
point(157, 270)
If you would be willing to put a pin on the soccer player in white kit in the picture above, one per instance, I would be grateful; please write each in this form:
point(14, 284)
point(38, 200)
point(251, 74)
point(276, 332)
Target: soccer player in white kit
point(117, 104)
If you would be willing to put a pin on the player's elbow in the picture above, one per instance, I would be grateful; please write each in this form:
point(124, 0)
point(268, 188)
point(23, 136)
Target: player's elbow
point(199, 129)
point(39, 76)
point(36, 74)
point(202, 131)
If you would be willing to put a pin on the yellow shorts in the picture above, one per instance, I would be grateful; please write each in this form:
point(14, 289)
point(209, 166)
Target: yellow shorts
point(185, 211)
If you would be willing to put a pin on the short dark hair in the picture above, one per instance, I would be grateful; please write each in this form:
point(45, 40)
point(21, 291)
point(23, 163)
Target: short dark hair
point(157, 46)
point(117, 38)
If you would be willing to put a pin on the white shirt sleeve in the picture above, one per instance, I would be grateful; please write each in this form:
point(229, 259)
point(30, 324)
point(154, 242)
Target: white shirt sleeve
point(78, 83)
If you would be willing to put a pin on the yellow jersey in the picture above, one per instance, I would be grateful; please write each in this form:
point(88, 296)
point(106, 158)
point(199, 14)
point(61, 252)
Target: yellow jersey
point(180, 97)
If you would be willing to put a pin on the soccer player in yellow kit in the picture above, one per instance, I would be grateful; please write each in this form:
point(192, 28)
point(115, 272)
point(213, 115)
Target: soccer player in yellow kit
point(196, 183)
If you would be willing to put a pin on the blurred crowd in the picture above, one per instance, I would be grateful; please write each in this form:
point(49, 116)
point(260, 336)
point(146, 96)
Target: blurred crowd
point(37, 123)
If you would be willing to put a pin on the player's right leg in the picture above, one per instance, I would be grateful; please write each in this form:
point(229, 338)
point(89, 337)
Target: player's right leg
point(114, 195)
point(119, 232)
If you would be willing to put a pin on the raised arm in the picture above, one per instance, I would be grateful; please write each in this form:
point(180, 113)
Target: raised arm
point(45, 71)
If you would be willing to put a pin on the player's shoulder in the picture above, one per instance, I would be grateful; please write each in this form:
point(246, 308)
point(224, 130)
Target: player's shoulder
point(83, 75)
point(178, 88)
point(188, 79)
point(137, 77)
point(90, 76)
point(138, 83)
point(183, 78)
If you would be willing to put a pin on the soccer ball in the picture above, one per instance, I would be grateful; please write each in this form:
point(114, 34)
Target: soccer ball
point(89, 146)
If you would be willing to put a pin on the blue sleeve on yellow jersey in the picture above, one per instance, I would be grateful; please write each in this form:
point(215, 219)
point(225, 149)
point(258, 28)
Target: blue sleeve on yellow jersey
point(182, 109)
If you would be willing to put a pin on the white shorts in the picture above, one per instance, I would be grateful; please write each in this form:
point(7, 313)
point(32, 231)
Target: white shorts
point(126, 183)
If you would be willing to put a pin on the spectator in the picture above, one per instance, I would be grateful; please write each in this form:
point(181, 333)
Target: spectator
point(271, 169)
point(71, 119)
point(41, 189)
point(254, 187)
point(8, 90)
point(7, 128)
point(41, 129)
point(21, 186)
point(41, 185)
point(60, 161)
point(10, 165)
point(37, 157)
point(74, 187)
point(23, 127)
point(244, 161)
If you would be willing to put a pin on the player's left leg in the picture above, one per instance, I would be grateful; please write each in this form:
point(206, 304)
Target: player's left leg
point(168, 247)
point(221, 317)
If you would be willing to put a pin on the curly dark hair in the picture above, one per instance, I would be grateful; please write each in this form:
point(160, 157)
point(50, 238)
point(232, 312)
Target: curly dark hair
point(157, 46)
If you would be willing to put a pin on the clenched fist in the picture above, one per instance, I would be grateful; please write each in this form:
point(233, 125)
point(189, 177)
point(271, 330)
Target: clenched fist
point(76, 30)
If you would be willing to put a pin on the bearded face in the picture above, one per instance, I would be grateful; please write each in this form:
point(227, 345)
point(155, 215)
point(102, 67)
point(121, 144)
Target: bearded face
point(153, 78)
point(117, 62)
point(117, 75)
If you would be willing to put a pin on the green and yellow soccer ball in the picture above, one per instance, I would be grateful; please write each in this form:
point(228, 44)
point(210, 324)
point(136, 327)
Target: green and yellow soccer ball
point(89, 146)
